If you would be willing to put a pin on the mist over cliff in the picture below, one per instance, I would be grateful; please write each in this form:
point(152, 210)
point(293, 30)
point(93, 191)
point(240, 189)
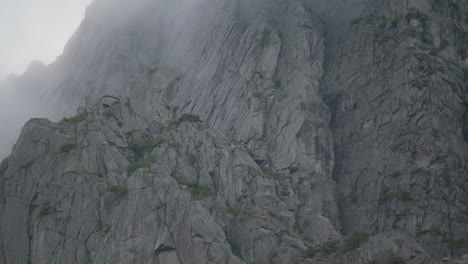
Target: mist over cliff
point(36, 93)
point(220, 131)
point(117, 40)
point(19, 102)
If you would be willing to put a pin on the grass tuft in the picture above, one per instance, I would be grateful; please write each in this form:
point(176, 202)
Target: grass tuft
point(193, 159)
point(269, 173)
point(107, 228)
point(120, 191)
point(67, 148)
point(235, 248)
point(187, 118)
point(387, 195)
point(45, 210)
point(392, 259)
point(433, 231)
point(140, 148)
point(73, 120)
point(200, 191)
point(325, 249)
point(139, 164)
point(235, 211)
point(354, 241)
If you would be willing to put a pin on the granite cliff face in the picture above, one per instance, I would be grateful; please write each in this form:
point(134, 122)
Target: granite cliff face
point(263, 131)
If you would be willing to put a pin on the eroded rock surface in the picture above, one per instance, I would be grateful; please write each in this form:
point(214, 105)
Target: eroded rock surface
point(107, 187)
point(264, 131)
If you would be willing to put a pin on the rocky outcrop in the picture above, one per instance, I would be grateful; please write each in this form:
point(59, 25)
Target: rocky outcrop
point(106, 186)
point(259, 132)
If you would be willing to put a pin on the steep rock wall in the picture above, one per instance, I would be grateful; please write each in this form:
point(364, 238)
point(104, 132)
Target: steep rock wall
point(396, 78)
point(282, 89)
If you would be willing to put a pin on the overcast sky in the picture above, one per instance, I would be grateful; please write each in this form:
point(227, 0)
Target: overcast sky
point(35, 30)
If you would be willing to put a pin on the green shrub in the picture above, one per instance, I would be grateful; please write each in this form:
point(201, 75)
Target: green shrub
point(354, 241)
point(235, 248)
point(284, 192)
point(73, 120)
point(269, 173)
point(395, 174)
point(200, 191)
point(139, 164)
point(387, 195)
point(120, 191)
point(393, 259)
point(406, 196)
point(189, 118)
point(67, 148)
point(356, 20)
point(433, 231)
point(107, 228)
point(376, 20)
point(458, 243)
point(140, 148)
point(45, 210)
point(193, 159)
point(257, 95)
point(325, 249)
point(235, 211)
point(244, 218)
point(394, 21)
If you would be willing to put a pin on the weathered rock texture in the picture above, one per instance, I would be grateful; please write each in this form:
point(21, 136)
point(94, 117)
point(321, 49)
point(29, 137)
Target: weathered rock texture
point(397, 81)
point(265, 131)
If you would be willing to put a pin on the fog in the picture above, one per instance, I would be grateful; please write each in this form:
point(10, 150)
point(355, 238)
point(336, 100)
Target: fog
point(140, 32)
point(35, 30)
point(39, 30)
point(30, 30)
point(16, 107)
